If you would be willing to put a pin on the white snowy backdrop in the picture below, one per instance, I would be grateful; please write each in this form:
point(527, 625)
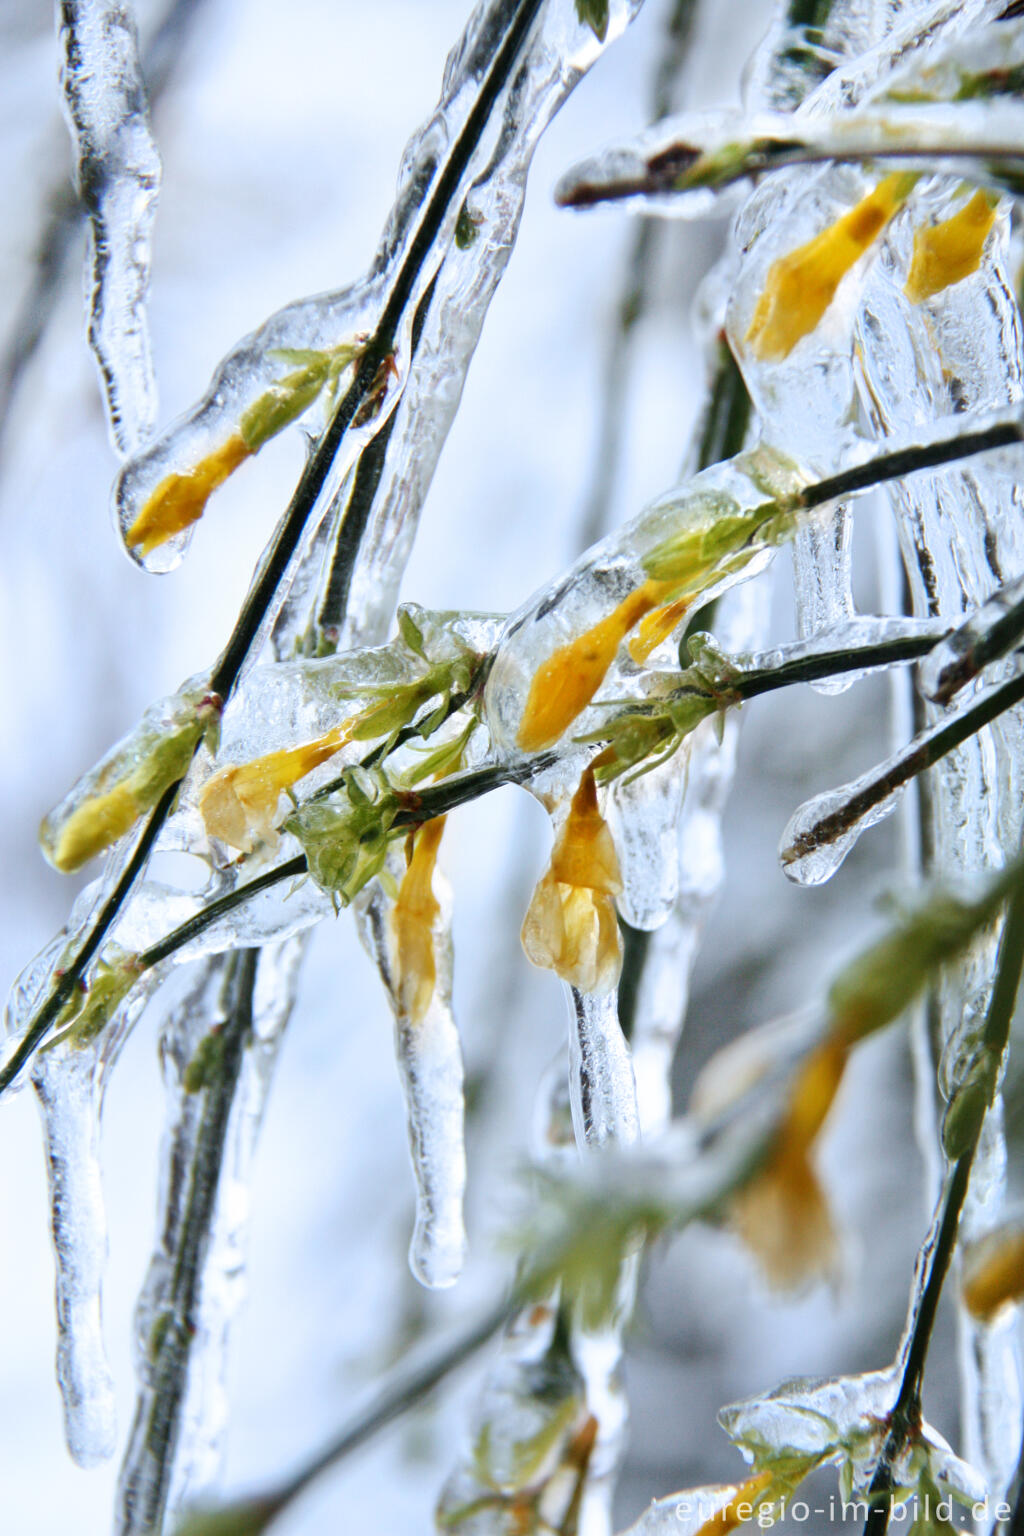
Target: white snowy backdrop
point(281, 134)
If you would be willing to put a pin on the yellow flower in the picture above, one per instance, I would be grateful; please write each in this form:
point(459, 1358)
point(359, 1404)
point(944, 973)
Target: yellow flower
point(570, 926)
point(240, 804)
point(564, 685)
point(781, 1212)
point(414, 920)
point(800, 286)
point(747, 1496)
point(947, 252)
point(180, 498)
point(994, 1274)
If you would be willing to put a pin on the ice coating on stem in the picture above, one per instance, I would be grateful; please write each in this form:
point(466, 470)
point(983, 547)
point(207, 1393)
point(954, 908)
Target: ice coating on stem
point(217, 1049)
point(409, 940)
point(129, 779)
point(602, 1088)
point(70, 1078)
point(960, 534)
point(983, 638)
point(300, 357)
point(823, 830)
point(303, 354)
point(118, 178)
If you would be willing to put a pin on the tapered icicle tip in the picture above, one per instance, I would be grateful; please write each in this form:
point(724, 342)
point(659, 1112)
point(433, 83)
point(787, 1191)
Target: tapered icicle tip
point(824, 830)
point(437, 1251)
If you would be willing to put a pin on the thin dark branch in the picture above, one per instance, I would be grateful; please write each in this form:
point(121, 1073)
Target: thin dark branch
point(288, 537)
point(922, 753)
point(907, 461)
point(937, 1254)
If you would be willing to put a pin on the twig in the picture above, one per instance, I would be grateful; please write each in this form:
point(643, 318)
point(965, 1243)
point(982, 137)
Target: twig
point(905, 1418)
point(288, 537)
point(161, 1417)
point(390, 1404)
point(922, 753)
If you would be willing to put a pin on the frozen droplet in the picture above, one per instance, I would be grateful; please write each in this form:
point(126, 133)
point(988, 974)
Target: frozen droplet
point(821, 833)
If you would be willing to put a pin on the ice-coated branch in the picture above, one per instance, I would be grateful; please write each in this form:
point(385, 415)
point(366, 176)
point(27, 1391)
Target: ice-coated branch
point(965, 1116)
point(118, 177)
point(160, 57)
point(277, 567)
point(823, 830)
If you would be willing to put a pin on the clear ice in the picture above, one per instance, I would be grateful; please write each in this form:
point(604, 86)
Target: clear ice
point(118, 178)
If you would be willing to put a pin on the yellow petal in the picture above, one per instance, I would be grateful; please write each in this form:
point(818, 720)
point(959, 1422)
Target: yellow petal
point(948, 252)
point(800, 287)
point(994, 1275)
point(564, 685)
point(414, 923)
point(657, 626)
point(239, 804)
point(747, 1494)
point(570, 926)
point(584, 854)
point(96, 824)
point(782, 1213)
point(180, 498)
point(783, 1217)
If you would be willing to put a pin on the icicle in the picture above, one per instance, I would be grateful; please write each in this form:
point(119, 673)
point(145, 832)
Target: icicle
point(960, 533)
point(601, 1085)
point(118, 178)
point(410, 943)
point(70, 1078)
point(218, 1049)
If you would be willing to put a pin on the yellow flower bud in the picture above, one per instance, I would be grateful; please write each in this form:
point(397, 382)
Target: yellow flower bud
point(800, 286)
point(994, 1274)
point(747, 1496)
point(570, 926)
point(564, 685)
point(947, 252)
point(240, 804)
point(180, 498)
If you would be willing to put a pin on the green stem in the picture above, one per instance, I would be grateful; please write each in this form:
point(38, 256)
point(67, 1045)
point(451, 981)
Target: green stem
point(937, 1253)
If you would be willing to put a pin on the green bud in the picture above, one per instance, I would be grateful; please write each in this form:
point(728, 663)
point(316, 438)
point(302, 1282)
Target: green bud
point(593, 14)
